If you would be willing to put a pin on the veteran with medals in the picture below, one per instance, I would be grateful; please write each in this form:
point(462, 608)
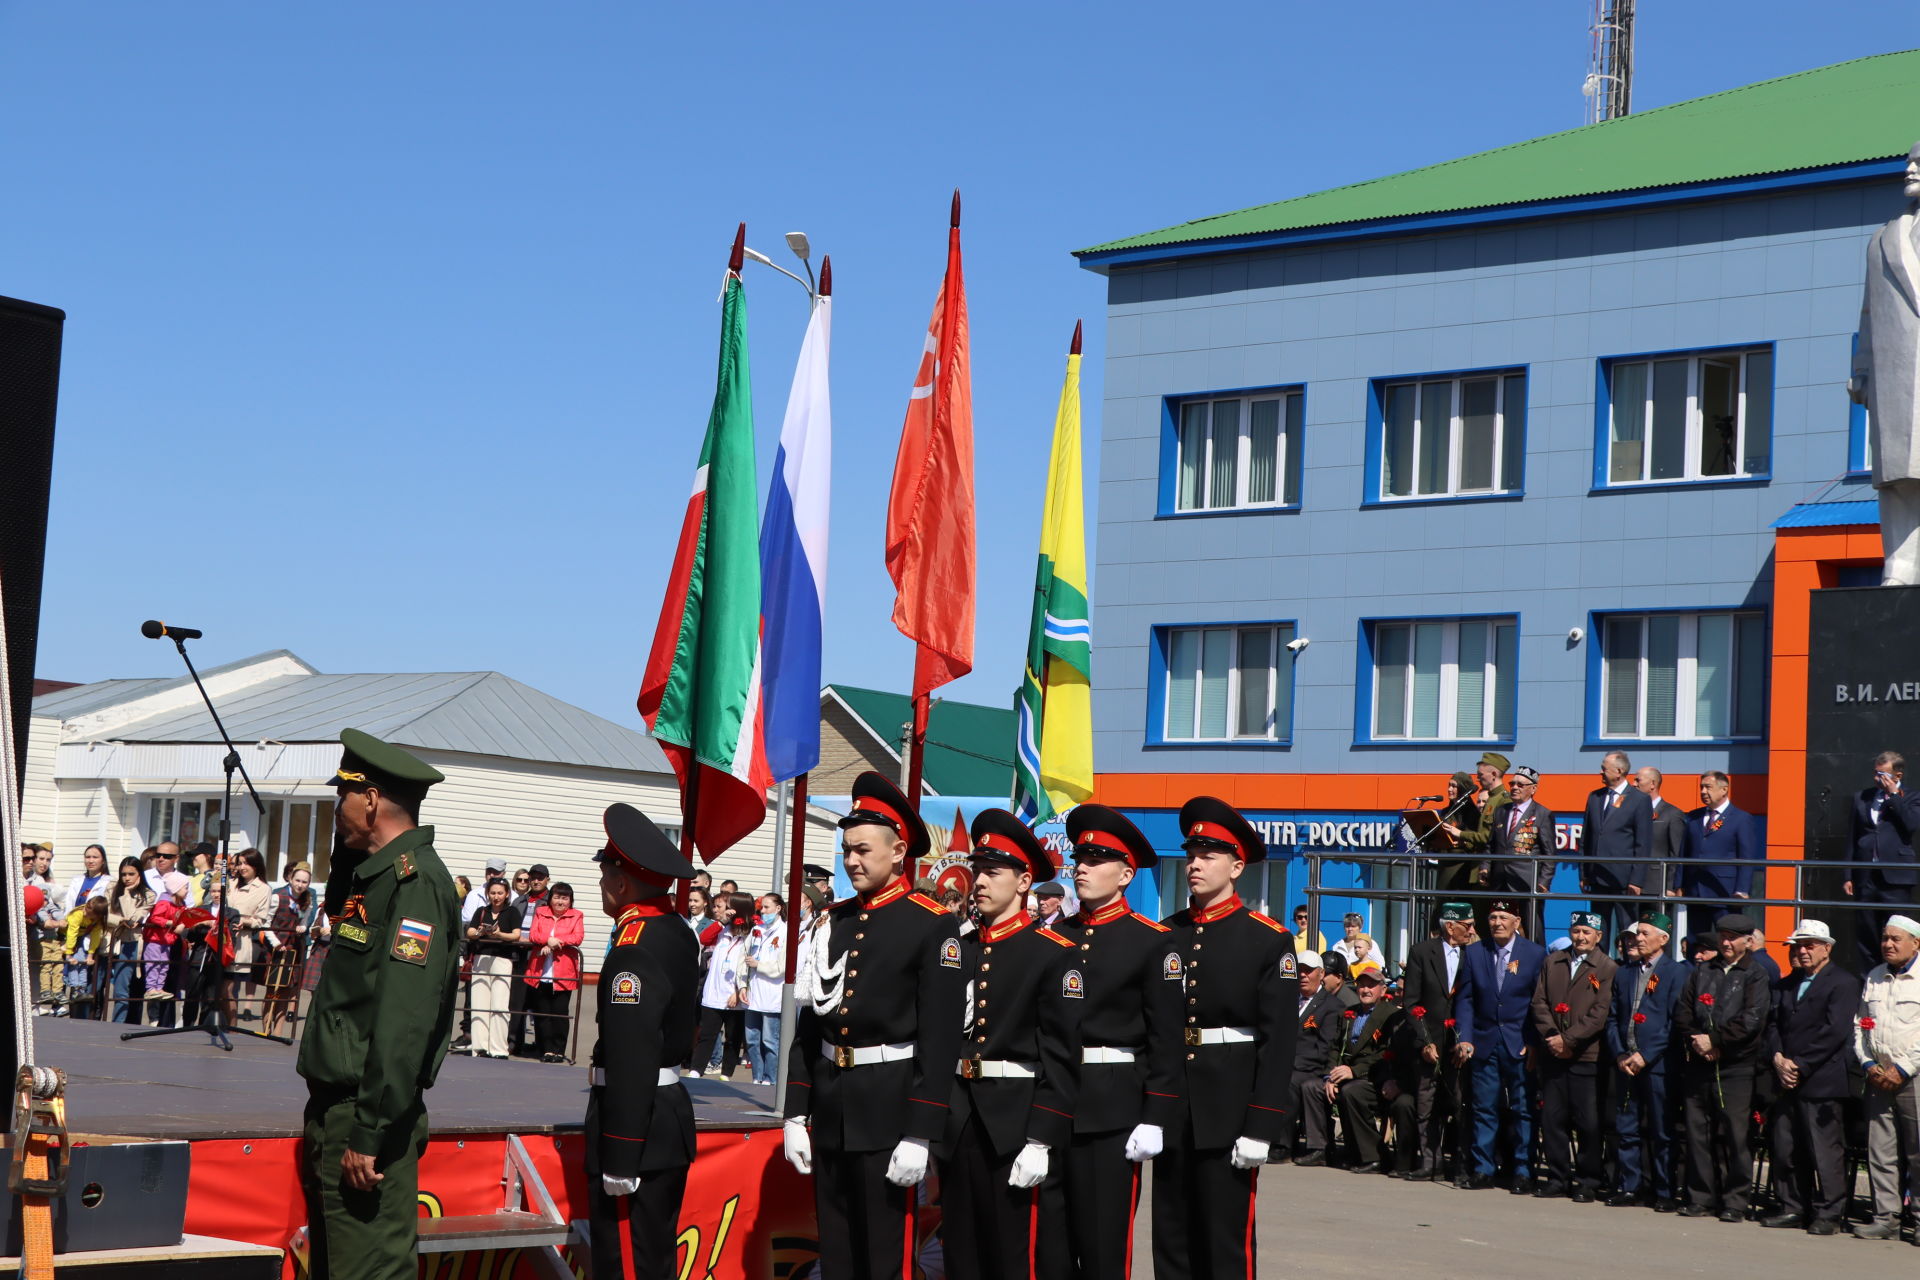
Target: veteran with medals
point(381, 1017)
point(639, 1117)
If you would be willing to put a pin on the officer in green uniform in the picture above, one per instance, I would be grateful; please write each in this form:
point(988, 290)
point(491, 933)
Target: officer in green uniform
point(381, 1017)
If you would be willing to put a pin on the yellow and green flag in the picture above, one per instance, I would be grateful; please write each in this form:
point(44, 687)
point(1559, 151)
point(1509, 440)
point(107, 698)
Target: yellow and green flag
point(1053, 759)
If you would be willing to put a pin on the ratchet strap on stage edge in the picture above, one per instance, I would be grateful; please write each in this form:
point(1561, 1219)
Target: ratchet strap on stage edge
point(38, 1170)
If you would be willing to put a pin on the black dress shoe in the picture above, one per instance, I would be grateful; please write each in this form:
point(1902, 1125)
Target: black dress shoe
point(1520, 1189)
point(1546, 1190)
point(1621, 1199)
point(1823, 1227)
point(1665, 1204)
point(1695, 1211)
point(1877, 1230)
point(1782, 1220)
point(1473, 1182)
point(1732, 1215)
point(1311, 1159)
point(1371, 1166)
point(1581, 1195)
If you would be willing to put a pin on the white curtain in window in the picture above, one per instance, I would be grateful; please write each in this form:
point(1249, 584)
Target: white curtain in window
point(1621, 655)
point(1390, 682)
point(1426, 679)
point(1436, 435)
point(1396, 455)
point(1225, 462)
point(1193, 453)
point(1183, 678)
point(1471, 699)
point(1263, 454)
point(1628, 450)
point(1663, 674)
point(1479, 398)
point(1713, 677)
point(1215, 659)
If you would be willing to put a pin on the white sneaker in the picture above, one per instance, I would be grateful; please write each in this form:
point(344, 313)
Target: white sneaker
point(690, 1075)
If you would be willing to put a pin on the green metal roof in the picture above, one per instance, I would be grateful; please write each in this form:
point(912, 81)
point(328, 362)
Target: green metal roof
point(1867, 109)
point(969, 747)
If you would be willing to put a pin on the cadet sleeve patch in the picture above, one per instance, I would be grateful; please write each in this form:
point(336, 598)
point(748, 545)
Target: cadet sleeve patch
point(1073, 986)
point(626, 988)
point(950, 954)
point(1289, 967)
point(1170, 967)
point(412, 940)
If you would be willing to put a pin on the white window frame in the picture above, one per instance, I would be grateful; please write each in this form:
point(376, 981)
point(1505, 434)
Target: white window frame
point(1692, 474)
point(1456, 434)
point(1686, 677)
point(1449, 710)
point(1276, 672)
point(1243, 454)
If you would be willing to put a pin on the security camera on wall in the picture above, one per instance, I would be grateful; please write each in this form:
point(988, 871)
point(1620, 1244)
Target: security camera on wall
point(1576, 635)
point(1298, 643)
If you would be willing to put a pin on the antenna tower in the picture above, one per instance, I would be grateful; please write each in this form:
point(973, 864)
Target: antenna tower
point(1609, 83)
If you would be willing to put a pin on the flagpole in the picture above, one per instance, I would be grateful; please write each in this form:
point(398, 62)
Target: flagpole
point(796, 899)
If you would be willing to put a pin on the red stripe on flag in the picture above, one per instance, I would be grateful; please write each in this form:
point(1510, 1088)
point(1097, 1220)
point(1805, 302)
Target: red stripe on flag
point(673, 613)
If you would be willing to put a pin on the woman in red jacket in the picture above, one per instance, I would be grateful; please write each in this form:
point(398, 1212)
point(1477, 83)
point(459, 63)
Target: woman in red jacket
point(553, 969)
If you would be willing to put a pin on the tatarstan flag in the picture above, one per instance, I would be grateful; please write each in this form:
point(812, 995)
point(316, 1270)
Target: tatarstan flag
point(701, 693)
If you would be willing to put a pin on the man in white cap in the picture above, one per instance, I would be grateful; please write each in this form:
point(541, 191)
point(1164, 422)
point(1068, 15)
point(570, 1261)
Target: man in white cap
point(1886, 1041)
point(1807, 1041)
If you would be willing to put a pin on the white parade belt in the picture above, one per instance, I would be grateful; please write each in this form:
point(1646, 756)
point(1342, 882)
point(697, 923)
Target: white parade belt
point(841, 1056)
point(1093, 1054)
point(988, 1069)
point(667, 1076)
point(1219, 1035)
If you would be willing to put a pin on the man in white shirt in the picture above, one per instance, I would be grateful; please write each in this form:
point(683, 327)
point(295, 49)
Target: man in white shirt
point(1886, 1042)
point(477, 896)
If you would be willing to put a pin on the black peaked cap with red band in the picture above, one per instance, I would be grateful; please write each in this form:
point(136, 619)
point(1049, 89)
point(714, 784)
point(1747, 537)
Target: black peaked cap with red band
point(1210, 823)
point(999, 837)
point(635, 843)
point(877, 800)
point(1095, 829)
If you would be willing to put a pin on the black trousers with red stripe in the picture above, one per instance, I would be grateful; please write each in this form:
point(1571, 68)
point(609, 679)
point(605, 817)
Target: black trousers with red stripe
point(869, 1228)
point(1202, 1212)
point(992, 1231)
point(1103, 1190)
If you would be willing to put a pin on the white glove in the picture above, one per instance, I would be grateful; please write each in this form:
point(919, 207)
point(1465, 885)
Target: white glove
point(619, 1186)
point(799, 1147)
point(1145, 1142)
point(908, 1166)
point(1029, 1167)
point(1249, 1153)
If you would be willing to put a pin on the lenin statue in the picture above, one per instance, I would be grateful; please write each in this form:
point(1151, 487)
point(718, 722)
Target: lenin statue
point(1886, 379)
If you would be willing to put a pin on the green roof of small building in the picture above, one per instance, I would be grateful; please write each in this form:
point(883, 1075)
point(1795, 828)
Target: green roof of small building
point(1866, 109)
point(969, 747)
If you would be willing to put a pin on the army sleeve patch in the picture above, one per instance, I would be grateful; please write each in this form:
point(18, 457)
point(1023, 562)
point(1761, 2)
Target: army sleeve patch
point(1073, 986)
point(412, 941)
point(1289, 967)
point(950, 954)
point(626, 989)
point(1170, 967)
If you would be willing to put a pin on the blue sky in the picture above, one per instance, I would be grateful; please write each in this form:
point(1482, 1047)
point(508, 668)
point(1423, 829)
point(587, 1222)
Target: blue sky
point(392, 327)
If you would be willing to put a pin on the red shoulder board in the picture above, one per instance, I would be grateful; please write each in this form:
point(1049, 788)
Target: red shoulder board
point(629, 933)
point(1268, 921)
point(922, 900)
point(1051, 936)
point(1151, 924)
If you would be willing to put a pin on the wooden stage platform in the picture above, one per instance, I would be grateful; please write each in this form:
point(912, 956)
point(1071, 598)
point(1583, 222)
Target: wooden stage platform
point(185, 1086)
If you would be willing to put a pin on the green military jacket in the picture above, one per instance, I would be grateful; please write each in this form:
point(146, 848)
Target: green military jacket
point(1492, 813)
point(383, 1011)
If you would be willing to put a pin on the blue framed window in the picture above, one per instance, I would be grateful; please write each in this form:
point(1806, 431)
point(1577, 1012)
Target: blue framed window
point(1447, 436)
point(1232, 451)
point(1427, 680)
point(1221, 683)
point(1685, 417)
point(1859, 435)
point(1675, 675)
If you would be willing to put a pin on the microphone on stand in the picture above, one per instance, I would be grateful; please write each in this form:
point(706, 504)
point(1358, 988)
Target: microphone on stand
point(1426, 799)
point(154, 630)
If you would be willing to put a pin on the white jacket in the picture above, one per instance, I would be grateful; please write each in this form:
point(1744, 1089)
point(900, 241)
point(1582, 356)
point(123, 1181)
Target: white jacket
point(1891, 1002)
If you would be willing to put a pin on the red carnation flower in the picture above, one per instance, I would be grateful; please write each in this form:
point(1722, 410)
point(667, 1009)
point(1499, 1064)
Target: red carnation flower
point(1419, 1011)
point(1706, 998)
point(1349, 1015)
point(1563, 1008)
point(1866, 1024)
point(1639, 1017)
point(1448, 1024)
point(1387, 1056)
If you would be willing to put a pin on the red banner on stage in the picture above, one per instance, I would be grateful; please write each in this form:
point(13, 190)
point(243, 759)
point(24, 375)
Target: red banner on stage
point(746, 1213)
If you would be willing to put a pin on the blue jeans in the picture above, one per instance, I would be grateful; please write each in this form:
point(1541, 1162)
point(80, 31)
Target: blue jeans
point(126, 982)
point(1501, 1083)
point(763, 1045)
point(1644, 1122)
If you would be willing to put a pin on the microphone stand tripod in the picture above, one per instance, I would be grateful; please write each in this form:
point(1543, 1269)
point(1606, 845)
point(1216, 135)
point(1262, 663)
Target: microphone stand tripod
point(211, 1020)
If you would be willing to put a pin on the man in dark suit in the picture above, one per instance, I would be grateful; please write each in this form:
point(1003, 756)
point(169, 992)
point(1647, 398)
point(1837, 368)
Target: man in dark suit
point(1719, 1023)
point(1570, 1003)
point(1371, 1078)
point(1885, 818)
point(1320, 1024)
point(1723, 851)
point(1616, 837)
point(1431, 978)
point(1810, 1037)
point(1645, 992)
point(1492, 1012)
point(1662, 874)
point(1521, 848)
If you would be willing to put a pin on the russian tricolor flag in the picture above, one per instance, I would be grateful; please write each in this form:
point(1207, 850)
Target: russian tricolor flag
point(793, 556)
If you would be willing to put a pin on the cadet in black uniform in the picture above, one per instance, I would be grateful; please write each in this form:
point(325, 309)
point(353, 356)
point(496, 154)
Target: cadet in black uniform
point(872, 1067)
point(1129, 1037)
point(1239, 1024)
point(639, 1118)
point(1013, 1105)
